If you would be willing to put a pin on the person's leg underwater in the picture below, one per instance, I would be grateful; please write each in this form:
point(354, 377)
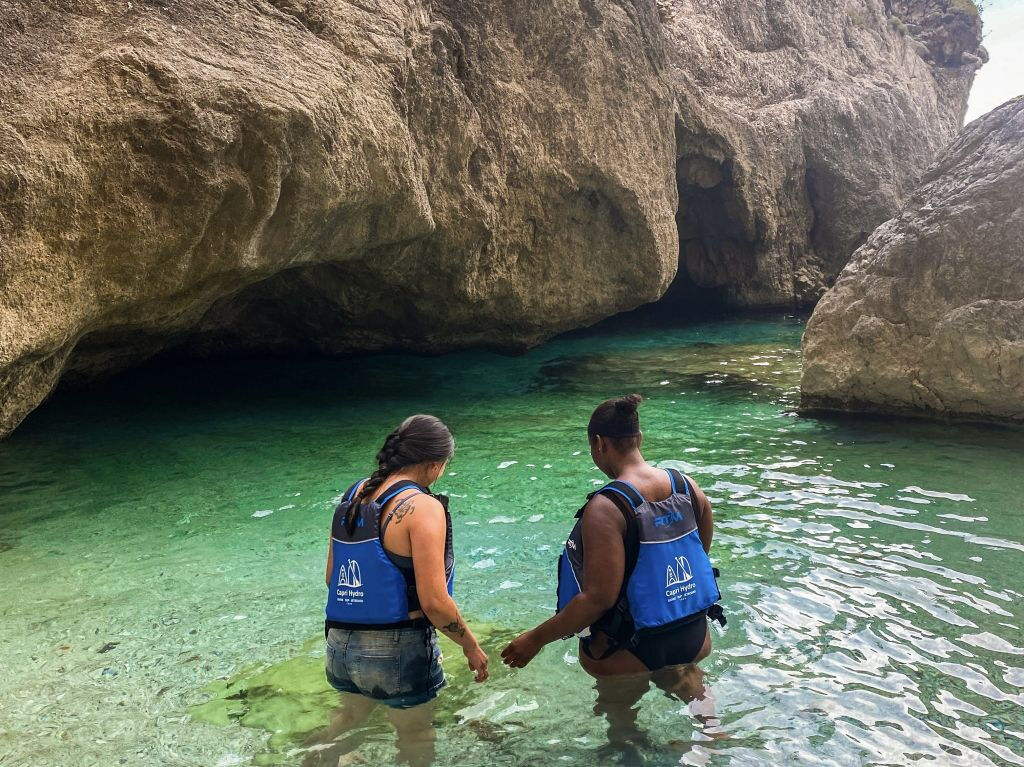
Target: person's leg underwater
point(416, 735)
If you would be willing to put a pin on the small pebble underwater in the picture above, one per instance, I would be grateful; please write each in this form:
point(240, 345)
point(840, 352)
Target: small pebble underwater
point(163, 536)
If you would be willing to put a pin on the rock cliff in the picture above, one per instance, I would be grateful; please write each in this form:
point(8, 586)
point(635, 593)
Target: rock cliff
point(801, 126)
point(331, 175)
point(928, 317)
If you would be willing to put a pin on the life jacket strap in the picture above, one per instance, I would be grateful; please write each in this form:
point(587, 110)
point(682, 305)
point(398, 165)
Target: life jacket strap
point(716, 613)
point(350, 493)
point(399, 487)
point(614, 625)
point(679, 483)
point(619, 489)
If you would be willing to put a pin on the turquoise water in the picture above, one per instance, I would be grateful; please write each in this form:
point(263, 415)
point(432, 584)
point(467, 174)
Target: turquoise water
point(162, 541)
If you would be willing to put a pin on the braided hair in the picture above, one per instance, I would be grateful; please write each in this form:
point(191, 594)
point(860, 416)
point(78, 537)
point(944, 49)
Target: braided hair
point(417, 439)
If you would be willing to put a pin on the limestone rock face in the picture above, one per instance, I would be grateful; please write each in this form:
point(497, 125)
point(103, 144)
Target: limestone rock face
point(337, 175)
point(928, 317)
point(332, 176)
point(819, 117)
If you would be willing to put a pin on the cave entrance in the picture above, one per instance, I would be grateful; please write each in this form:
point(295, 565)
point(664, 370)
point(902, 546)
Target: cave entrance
point(716, 247)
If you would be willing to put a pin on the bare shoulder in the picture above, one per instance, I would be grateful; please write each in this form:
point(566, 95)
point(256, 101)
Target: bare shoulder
point(601, 512)
point(419, 509)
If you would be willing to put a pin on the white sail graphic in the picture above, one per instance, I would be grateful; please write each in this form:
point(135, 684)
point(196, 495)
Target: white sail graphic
point(350, 576)
point(680, 573)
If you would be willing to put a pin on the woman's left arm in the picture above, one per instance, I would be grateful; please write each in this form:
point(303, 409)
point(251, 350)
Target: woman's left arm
point(705, 517)
point(604, 561)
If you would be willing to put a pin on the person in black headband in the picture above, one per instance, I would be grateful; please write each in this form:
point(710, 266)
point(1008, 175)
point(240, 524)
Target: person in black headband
point(635, 582)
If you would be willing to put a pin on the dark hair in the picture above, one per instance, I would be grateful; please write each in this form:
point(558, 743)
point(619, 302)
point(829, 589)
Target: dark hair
point(617, 419)
point(417, 439)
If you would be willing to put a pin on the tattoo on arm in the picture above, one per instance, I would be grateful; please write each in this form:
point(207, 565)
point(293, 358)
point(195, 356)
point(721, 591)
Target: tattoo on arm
point(404, 508)
point(456, 627)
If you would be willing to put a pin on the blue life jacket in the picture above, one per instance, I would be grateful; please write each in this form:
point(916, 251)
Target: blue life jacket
point(369, 587)
point(668, 579)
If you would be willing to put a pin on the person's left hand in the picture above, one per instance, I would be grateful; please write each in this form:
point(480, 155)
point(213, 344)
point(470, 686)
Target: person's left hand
point(521, 650)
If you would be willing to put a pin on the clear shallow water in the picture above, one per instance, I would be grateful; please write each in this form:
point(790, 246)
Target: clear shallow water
point(162, 542)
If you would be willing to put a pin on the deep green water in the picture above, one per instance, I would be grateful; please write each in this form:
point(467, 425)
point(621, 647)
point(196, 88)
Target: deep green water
point(162, 542)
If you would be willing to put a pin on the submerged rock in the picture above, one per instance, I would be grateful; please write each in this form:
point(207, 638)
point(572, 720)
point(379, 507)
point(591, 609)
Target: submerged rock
point(303, 175)
point(928, 317)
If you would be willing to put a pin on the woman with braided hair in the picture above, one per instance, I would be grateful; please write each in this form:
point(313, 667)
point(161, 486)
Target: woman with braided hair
point(389, 576)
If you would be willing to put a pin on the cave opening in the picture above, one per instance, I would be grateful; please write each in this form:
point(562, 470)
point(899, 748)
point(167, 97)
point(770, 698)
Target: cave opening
point(716, 246)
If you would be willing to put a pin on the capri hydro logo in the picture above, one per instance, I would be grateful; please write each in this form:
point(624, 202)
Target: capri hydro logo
point(678, 573)
point(350, 577)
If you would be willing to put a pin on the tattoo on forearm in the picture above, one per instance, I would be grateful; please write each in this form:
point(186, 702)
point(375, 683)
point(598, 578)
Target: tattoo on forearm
point(456, 627)
point(404, 508)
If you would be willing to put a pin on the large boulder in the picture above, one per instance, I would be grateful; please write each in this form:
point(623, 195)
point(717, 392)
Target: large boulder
point(928, 317)
point(802, 125)
point(314, 175)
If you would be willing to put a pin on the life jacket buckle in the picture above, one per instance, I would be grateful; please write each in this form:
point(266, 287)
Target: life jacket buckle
point(716, 613)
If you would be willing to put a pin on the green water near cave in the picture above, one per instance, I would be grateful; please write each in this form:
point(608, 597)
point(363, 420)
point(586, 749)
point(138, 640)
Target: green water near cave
point(162, 541)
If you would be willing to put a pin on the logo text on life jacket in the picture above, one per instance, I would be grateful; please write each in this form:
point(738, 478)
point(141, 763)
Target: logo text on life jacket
point(350, 581)
point(678, 580)
point(667, 519)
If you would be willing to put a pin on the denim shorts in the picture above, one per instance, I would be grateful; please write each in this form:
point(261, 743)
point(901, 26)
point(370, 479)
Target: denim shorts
point(400, 668)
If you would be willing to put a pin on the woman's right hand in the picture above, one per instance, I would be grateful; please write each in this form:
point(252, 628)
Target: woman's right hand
point(477, 660)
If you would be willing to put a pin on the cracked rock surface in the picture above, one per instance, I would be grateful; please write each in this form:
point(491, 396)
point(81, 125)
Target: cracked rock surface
point(928, 317)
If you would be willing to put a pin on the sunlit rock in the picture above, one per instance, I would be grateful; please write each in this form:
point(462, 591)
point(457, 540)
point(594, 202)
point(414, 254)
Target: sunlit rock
point(928, 317)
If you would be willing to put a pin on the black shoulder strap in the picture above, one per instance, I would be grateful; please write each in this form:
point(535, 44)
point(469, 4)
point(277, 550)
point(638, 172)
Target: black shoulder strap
point(679, 483)
point(391, 492)
point(628, 500)
point(617, 489)
point(399, 487)
point(350, 493)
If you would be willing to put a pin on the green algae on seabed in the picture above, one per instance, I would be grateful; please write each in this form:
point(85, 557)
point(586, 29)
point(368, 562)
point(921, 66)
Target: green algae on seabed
point(291, 699)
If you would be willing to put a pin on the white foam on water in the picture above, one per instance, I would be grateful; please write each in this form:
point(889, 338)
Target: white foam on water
point(483, 564)
point(518, 708)
point(535, 518)
point(991, 642)
point(500, 520)
point(506, 464)
point(285, 508)
point(936, 494)
point(509, 585)
point(262, 513)
point(960, 518)
point(481, 707)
